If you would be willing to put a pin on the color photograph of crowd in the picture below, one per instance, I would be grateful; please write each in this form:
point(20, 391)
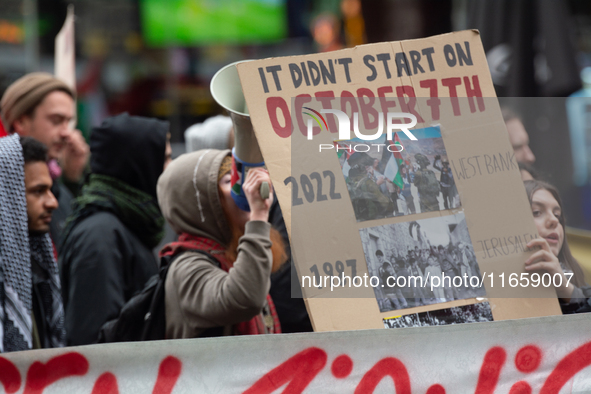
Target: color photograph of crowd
point(383, 182)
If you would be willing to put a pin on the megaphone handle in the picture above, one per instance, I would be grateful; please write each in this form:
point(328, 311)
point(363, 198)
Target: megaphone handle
point(264, 190)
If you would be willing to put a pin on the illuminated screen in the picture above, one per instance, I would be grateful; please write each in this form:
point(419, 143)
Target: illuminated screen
point(192, 22)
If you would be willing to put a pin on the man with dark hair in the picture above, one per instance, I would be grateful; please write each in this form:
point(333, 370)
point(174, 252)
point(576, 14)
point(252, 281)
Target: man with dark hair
point(40, 200)
point(40, 106)
point(31, 309)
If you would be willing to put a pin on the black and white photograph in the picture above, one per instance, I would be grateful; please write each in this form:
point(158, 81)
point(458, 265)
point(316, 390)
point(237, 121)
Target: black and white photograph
point(475, 313)
point(384, 183)
point(410, 258)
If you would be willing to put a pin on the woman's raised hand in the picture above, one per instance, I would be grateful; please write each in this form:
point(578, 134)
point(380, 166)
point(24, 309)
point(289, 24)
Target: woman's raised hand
point(544, 260)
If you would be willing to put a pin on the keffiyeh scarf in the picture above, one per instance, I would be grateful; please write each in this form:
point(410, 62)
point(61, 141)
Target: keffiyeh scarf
point(16, 251)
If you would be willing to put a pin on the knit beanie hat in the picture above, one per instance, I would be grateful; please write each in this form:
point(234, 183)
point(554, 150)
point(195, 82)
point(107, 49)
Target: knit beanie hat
point(214, 133)
point(26, 93)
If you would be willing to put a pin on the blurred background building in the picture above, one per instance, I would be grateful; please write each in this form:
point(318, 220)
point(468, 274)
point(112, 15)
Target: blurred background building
point(156, 58)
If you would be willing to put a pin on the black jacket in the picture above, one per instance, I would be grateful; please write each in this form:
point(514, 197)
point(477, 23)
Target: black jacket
point(102, 262)
point(102, 265)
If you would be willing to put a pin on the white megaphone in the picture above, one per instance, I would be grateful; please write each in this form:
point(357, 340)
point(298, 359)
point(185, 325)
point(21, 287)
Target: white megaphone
point(246, 154)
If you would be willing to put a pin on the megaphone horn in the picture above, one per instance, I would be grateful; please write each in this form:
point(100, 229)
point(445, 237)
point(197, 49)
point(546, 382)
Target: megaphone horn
point(227, 92)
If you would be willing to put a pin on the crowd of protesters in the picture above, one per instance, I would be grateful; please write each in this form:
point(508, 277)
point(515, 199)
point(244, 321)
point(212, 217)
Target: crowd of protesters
point(65, 276)
point(79, 222)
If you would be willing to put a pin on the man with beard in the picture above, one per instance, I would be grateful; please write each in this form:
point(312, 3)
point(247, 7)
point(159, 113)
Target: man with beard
point(31, 309)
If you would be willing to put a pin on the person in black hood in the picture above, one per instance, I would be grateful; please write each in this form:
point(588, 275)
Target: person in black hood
point(116, 222)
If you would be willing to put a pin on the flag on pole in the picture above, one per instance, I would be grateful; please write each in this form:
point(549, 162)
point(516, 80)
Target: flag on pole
point(392, 170)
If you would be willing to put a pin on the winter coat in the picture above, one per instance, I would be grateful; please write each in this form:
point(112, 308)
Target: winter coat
point(199, 295)
point(103, 262)
point(102, 265)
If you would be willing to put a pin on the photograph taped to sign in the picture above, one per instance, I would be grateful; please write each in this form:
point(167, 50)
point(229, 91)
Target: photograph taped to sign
point(396, 178)
point(422, 262)
point(475, 313)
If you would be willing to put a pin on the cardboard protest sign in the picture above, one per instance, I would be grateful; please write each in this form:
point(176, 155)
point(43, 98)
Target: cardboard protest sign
point(383, 155)
point(548, 355)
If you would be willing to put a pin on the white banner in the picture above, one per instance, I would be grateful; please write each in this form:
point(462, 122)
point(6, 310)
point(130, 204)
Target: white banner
point(542, 355)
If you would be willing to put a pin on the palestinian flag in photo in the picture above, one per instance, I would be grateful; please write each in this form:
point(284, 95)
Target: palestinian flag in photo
point(236, 177)
point(344, 149)
point(395, 160)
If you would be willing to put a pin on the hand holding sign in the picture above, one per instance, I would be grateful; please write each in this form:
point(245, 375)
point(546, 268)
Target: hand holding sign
point(259, 205)
point(545, 260)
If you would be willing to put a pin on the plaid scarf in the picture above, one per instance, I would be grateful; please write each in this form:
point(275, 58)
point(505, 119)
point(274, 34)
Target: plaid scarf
point(266, 322)
point(138, 211)
point(17, 249)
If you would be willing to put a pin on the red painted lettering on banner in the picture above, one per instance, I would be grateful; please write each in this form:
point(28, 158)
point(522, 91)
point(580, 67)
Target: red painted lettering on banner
point(106, 384)
point(168, 374)
point(388, 366)
point(342, 366)
point(520, 388)
point(436, 389)
point(528, 359)
point(568, 367)
point(10, 377)
point(295, 374)
point(42, 375)
point(490, 370)
point(299, 370)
